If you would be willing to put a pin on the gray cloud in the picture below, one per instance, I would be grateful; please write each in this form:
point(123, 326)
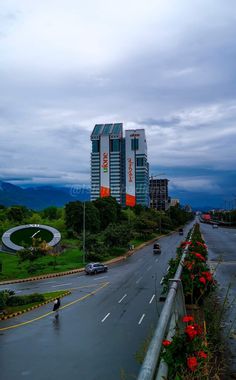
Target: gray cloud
point(166, 67)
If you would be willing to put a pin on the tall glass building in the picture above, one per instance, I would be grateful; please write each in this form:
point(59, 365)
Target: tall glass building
point(119, 166)
point(136, 168)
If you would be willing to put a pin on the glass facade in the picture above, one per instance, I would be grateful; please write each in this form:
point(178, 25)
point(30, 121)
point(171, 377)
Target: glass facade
point(95, 146)
point(115, 145)
point(134, 144)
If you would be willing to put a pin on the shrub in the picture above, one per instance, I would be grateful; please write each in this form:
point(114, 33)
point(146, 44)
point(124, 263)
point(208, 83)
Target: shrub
point(24, 300)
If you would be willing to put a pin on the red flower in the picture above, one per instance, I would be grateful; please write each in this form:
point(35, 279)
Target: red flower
point(202, 355)
point(202, 280)
point(199, 256)
point(198, 329)
point(189, 265)
point(192, 363)
point(192, 276)
point(191, 332)
point(166, 343)
point(208, 275)
point(188, 318)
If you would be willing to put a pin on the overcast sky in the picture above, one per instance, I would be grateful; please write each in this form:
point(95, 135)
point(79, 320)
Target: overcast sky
point(166, 66)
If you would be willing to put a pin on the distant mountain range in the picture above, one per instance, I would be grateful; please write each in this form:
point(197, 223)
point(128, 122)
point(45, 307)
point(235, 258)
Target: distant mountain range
point(41, 197)
point(38, 198)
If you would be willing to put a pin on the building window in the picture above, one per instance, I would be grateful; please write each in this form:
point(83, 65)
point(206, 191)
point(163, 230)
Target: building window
point(115, 145)
point(134, 144)
point(140, 161)
point(95, 146)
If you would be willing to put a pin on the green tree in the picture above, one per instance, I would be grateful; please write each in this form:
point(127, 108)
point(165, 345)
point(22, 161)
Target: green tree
point(145, 226)
point(52, 213)
point(109, 210)
point(18, 213)
point(74, 212)
point(117, 235)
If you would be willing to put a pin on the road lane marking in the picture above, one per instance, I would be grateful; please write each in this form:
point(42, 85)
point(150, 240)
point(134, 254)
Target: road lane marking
point(69, 283)
point(105, 317)
point(162, 280)
point(122, 298)
point(52, 312)
point(149, 268)
point(96, 279)
point(152, 299)
point(49, 282)
point(168, 268)
point(139, 280)
point(156, 260)
point(141, 319)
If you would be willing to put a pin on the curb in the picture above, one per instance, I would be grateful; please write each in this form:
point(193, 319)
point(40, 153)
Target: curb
point(73, 271)
point(2, 318)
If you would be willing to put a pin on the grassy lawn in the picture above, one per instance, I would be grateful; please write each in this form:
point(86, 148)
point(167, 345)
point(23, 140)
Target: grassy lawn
point(48, 296)
point(70, 258)
point(24, 237)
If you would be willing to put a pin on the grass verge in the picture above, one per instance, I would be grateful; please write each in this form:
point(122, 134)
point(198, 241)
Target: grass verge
point(21, 308)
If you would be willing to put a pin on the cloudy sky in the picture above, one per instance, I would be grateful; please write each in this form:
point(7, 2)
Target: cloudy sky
point(166, 66)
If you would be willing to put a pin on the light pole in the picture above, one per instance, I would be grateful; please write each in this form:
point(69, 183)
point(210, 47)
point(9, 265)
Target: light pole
point(84, 233)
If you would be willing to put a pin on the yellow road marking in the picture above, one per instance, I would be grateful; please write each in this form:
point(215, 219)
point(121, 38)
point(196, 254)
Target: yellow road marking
point(52, 312)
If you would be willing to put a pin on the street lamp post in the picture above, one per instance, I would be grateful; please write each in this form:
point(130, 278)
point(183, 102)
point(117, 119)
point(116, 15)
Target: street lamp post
point(84, 233)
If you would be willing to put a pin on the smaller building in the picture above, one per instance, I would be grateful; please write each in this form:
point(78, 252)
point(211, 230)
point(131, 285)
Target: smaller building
point(158, 191)
point(174, 202)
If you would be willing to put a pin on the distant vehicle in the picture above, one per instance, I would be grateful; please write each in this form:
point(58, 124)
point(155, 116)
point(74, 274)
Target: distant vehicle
point(93, 268)
point(181, 231)
point(156, 248)
point(214, 225)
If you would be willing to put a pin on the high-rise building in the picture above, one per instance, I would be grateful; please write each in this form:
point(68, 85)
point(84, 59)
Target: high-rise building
point(136, 168)
point(119, 166)
point(159, 198)
point(106, 161)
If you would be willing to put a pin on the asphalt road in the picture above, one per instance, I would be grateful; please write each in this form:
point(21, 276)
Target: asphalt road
point(221, 244)
point(102, 325)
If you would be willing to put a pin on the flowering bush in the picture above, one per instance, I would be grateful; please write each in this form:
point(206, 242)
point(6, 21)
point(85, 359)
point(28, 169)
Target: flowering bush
point(197, 279)
point(187, 352)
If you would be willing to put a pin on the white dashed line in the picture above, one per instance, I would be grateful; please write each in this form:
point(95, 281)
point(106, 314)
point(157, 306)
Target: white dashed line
point(162, 280)
point(54, 286)
point(152, 298)
point(168, 268)
point(149, 268)
point(105, 317)
point(122, 298)
point(139, 280)
point(141, 319)
point(50, 282)
point(156, 260)
point(95, 279)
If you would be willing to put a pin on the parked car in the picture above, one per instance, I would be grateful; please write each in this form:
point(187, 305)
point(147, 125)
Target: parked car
point(156, 248)
point(93, 268)
point(181, 231)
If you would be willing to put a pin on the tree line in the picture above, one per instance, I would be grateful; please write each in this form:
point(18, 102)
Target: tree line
point(109, 228)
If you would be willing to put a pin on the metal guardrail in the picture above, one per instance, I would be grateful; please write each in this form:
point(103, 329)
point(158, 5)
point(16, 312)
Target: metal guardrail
point(172, 312)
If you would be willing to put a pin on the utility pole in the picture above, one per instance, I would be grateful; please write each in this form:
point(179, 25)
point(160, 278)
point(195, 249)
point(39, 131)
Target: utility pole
point(84, 233)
